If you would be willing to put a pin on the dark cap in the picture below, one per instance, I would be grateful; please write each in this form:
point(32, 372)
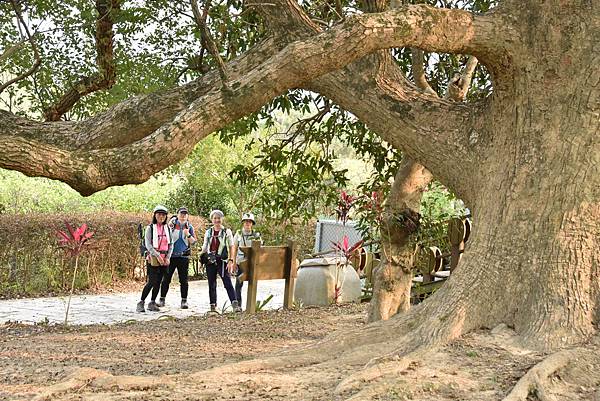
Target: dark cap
point(182, 210)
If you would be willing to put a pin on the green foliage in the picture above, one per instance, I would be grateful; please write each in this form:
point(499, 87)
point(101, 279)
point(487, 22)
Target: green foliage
point(438, 205)
point(21, 194)
point(295, 171)
point(157, 45)
point(206, 184)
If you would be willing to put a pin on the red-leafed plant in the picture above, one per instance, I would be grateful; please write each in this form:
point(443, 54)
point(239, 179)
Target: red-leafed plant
point(72, 242)
point(344, 205)
point(344, 250)
point(344, 247)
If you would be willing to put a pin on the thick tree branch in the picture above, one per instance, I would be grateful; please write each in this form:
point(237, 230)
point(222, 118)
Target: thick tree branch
point(139, 116)
point(105, 78)
point(12, 49)
point(295, 66)
point(460, 83)
point(384, 83)
point(418, 70)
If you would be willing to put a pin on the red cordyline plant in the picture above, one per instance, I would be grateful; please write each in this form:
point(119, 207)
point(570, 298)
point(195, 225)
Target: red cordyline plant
point(346, 250)
point(344, 247)
point(72, 242)
point(374, 205)
point(344, 205)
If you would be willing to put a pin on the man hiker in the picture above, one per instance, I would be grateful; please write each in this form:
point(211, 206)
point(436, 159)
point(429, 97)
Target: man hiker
point(184, 236)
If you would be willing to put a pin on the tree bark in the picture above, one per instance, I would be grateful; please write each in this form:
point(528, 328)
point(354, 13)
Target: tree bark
point(392, 279)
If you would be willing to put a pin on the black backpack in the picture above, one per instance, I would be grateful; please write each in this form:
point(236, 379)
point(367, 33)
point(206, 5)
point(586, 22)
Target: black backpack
point(141, 236)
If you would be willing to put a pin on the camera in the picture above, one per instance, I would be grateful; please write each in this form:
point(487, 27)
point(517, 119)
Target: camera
point(211, 258)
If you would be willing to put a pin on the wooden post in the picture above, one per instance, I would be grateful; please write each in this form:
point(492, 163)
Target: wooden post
point(252, 277)
point(290, 275)
point(430, 261)
point(457, 230)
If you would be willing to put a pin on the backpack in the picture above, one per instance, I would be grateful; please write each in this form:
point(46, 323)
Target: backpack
point(222, 234)
point(141, 236)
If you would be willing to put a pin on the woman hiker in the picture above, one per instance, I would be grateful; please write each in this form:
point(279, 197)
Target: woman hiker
point(243, 238)
point(216, 251)
point(184, 237)
point(159, 247)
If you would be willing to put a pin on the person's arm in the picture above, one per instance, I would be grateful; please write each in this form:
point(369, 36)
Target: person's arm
point(192, 236)
point(171, 245)
point(229, 236)
point(205, 244)
point(236, 242)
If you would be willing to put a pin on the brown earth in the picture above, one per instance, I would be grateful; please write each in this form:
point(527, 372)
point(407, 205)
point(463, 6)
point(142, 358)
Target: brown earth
point(171, 360)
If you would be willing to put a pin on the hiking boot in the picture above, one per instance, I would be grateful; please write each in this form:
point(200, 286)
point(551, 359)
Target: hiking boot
point(236, 306)
point(140, 307)
point(184, 304)
point(153, 307)
point(161, 302)
point(213, 310)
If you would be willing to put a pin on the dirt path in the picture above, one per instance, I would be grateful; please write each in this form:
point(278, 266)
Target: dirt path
point(120, 307)
point(171, 360)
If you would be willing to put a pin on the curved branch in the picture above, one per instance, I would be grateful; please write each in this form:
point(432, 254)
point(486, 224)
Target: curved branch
point(105, 78)
point(460, 83)
point(418, 70)
point(296, 65)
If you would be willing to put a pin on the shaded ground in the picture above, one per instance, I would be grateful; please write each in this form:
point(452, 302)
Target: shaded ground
point(480, 366)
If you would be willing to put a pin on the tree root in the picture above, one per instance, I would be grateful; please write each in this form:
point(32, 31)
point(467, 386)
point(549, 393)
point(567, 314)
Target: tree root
point(101, 380)
point(375, 376)
point(535, 380)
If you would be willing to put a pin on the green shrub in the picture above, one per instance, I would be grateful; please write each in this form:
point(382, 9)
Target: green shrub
point(31, 263)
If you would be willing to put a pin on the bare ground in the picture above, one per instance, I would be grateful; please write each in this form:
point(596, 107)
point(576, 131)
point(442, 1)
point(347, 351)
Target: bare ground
point(173, 360)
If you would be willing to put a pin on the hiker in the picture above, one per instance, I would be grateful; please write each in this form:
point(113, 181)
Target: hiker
point(217, 246)
point(159, 247)
point(243, 238)
point(184, 237)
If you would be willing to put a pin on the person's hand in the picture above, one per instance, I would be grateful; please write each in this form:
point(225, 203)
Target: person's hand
point(161, 259)
point(186, 232)
point(167, 262)
point(230, 267)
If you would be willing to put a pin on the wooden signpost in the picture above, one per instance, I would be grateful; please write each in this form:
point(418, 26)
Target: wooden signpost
point(459, 231)
point(269, 263)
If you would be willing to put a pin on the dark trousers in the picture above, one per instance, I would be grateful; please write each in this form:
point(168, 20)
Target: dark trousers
point(214, 270)
point(238, 286)
point(154, 277)
point(182, 266)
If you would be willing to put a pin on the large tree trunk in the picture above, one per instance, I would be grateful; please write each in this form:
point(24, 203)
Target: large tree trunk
point(534, 257)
